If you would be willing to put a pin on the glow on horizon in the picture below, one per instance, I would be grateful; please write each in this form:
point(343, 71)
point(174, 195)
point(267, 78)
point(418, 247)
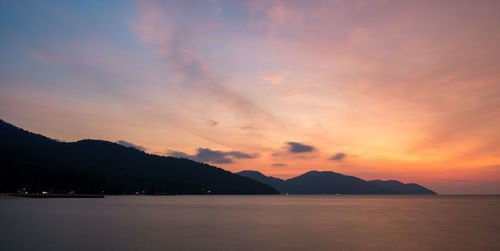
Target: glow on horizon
point(378, 89)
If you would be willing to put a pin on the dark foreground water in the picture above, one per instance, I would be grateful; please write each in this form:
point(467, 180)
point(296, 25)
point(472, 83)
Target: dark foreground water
point(252, 223)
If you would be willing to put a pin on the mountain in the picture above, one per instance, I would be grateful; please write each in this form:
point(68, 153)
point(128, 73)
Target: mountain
point(277, 183)
point(402, 188)
point(38, 163)
point(315, 182)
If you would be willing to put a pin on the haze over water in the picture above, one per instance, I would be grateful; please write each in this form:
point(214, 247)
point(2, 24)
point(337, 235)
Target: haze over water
point(351, 222)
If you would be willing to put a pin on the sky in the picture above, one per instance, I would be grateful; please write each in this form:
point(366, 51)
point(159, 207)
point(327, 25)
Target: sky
point(406, 90)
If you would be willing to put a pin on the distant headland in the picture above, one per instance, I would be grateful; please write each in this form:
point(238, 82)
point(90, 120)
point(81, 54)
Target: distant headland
point(326, 182)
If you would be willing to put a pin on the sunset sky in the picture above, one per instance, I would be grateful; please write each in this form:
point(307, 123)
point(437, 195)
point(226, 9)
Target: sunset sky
point(406, 90)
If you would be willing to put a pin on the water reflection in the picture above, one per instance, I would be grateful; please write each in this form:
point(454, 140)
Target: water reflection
point(252, 223)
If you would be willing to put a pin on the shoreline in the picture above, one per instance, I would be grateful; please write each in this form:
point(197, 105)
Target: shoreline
point(48, 196)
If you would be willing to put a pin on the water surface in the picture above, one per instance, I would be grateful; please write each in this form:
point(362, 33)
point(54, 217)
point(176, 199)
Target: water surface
point(273, 222)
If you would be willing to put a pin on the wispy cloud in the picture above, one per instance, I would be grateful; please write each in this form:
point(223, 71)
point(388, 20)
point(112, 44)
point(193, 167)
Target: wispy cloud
point(213, 156)
point(279, 164)
point(128, 144)
point(338, 157)
point(212, 123)
point(274, 79)
point(178, 41)
point(295, 147)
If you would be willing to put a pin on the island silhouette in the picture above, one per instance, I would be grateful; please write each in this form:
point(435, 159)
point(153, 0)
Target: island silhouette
point(327, 182)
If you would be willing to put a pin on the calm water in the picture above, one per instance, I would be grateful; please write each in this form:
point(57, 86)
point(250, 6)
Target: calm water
point(252, 223)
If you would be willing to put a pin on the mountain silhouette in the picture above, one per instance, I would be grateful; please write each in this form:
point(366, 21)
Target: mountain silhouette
point(326, 182)
point(38, 163)
point(277, 183)
point(402, 188)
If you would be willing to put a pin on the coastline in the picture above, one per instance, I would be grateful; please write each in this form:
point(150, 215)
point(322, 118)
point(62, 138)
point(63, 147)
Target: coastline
point(49, 196)
point(6, 196)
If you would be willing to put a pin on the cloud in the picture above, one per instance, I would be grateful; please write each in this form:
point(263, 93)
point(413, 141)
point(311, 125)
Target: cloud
point(213, 156)
point(296, 147)
point(279, 164)
point(128, 144)
point(212, 123)
point(178, 154)
point(275, 79)
point(174, 39)
point(338, 157)
point(240, 155)
point(207, 155)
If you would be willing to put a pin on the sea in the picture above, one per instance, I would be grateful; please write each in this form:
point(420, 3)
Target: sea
point(270, 222)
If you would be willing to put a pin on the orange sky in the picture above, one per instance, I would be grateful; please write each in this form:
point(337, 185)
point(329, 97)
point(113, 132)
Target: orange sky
point(406, 90)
